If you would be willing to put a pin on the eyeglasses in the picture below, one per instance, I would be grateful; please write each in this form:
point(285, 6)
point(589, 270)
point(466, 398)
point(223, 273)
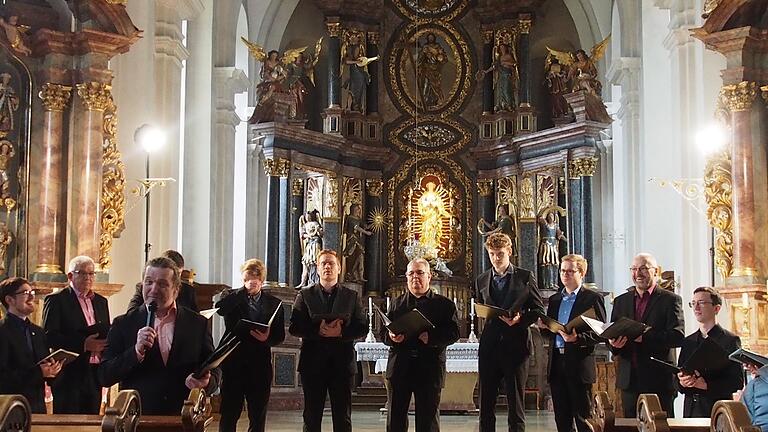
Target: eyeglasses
point(27, 293)
point(640, 269)
point(695, 303)
point(84, 273)
point(416, 273)
point(569, 272)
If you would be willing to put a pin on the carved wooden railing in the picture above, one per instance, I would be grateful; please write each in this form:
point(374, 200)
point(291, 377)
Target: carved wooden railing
point(124, 414)
point(15, 414)
point(196, 414)
point(731, 416)
point(650, 416)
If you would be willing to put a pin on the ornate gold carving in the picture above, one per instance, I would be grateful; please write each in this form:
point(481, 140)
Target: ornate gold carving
point(7, 152)
point(277, 167)
point(465, 136)
point(95, 95)
point(353, 192)
point(55, 96)
point(374, 187)
point(334, 29)
point(717, 192)
point(527, 209)
point(764, 92)
point(506, 193)
point(485, 187)
point(545, 188)
point(377, 220)
point(374, 38)
point(524, 25)
point(332, 198)
point(6, 238)
point(428, 10)
point(709, 7)
point(487, 36)
point(739, 97)
point(297, 187)
point(582, 167)
point(113, 187)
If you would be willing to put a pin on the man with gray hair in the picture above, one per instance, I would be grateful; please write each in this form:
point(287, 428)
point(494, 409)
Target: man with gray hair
point(76, 319)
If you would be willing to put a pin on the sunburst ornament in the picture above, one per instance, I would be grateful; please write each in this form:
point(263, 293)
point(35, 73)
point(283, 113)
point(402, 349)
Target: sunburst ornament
point(377, 218)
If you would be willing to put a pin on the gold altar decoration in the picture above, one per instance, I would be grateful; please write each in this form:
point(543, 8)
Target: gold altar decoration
point(314, 197)
point(277, 167)
point(334, 29)
point(55, 96)
point(297, 187)
point(506, 194)
point(377, 220)
point(353, 193)
point(7, 152)
point(6, 238)
point(717, 192)
point(764, 92)
point(444, 134)
point(582, 167)
point(739, 97)
point(113, 188)
point(374, 187)
point(332, 198)
point(545, 191)
point(95, 95)
point(527, 210)
point(524, 25)
point(485, 187)
point(429, 10)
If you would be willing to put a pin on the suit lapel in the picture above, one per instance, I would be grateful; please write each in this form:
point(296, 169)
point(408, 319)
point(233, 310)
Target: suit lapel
point(341, 301)
point(514, 291)
point(181, 320)
point(579, 305)
point(554, 305)
point(312, 301)
point(484, 285)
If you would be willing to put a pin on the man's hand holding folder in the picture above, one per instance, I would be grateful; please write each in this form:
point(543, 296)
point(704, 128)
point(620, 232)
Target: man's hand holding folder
point(406, 326)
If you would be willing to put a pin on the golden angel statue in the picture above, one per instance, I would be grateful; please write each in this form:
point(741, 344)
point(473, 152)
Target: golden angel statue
point(274, 73)
point(582, 68)
point(355, 64)
point(505, 77)
point(14, 33)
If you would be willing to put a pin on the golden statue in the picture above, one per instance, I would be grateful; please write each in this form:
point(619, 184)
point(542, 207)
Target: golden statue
point(432, 211)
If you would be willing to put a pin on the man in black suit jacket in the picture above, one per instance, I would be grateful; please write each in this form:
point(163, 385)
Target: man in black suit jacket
point(327, 361)
point(571, 369)
point(703, 388)
point(416, 365)
point(662, 311)
point(505, 343)
point(158, 360)
point(247, 372)
point(186, 298)
point(22, 346)
point(76, 319)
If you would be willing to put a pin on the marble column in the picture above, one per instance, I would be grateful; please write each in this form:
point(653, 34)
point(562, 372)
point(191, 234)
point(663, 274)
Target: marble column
point(524, 51)
point(486, 204)
point(372, 93)
point(374, 243)
point(87, 165)
point(55, 98)
point(284, 257)
point(487, 62)
point(254, 185)
point(297, 211)
point(334, 62)
point(274, 168)
point(581, 237)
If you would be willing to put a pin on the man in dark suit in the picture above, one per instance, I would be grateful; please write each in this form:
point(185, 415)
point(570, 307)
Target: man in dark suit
point(327, 361)
point(416, 365)
point(76, 319)
point(505, 343)
point(186, 298)
point(22, 346)
point(703, 388)
point(247, 372)
point(662, 311)
point(571, 369)
point(158, 360)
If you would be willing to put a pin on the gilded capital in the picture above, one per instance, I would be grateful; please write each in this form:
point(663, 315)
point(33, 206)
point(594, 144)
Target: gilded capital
point(739, 97)
point(524, 25)
point(487, 36)
point(764, 92)
point(297, 187)
point(374, 187)
point(374, 38)
point(277, 167)
point(582, 167)
point(718, 195)
point(95, 95)
point(334, 29)
point(485, 187)
point(55, 96)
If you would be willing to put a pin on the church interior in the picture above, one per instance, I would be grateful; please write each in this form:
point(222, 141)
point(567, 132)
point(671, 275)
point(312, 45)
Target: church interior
point(389, 130)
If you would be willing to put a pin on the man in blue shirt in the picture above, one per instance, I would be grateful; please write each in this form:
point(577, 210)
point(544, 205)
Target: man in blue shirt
point(572, 363)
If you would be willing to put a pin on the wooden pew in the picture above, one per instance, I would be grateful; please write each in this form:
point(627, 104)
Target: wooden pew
point(731, 416)
point(604, 418)
point(14, 413)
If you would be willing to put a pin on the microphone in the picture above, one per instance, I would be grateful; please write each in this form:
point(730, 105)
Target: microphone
point(151, 311)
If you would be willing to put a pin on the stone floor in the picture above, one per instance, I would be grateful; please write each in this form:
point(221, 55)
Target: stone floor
point(369, 421)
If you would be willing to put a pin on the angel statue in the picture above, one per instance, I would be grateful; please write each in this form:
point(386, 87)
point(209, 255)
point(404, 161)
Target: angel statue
point(505, 77)
point(311, 236)
point(356, 77)
point(582, 68)
point(274, 73)
point(550, 237)
point(14, 32)
point(301, 79)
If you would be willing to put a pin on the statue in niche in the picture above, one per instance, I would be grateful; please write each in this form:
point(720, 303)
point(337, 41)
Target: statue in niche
point(311, 236)
point(301, 79)
point(9, 104)
point(6, 237)
point(274, 73)
point(550, 237)
point(356, 78)
point(6, 154)
point(14, 33)
point(556, 81)
point(503, 224)
point(354, 249)
point(505, 77)
point(454, 242)
point(432, 211)
point(429, 72)
point(582, 68)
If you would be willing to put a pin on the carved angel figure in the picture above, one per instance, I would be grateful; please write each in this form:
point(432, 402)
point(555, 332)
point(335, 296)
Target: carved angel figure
point(274, 73)
point(505, 77)
point(301, 79)
point(14, 33)
point(356, 77)
point(582, 68)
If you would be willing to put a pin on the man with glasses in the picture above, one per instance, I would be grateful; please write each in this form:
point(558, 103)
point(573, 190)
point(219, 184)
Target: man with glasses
point(22, 346)
point(416, 364)
point(662, 310)
point(327, 363)
point(76, 319)
point(703, 388)
point(505, 343)
point(572, 361)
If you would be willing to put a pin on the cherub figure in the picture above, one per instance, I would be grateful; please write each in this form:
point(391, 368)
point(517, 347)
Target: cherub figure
point(14, 32)
point(582, 68)
point(274, 73)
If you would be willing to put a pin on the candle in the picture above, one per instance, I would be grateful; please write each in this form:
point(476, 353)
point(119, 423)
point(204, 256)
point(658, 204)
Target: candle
point(370, 304)
point(455, 302)
point(745, 300)
point(472, 304)
point(387, 304)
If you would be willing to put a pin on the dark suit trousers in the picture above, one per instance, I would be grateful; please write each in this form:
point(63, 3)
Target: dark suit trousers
point(85, 398)
point(629, 398)
point(254, 389)
point(316, 389)
point(570, 396)
point(426, 400)
point(490, 374)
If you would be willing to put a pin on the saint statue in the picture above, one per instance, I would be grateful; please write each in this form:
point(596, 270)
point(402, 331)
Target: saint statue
point(503, 224)
point(505, 77)
point(549, 256)
point(557, 85)
point(311, 235)
point(14, 34)
point(6, 153)
point(354, 249)
point(432, 211)
point(301, 79)
point(6, 237)
point(9, 103)
point(357, 76)
point(429, 70)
